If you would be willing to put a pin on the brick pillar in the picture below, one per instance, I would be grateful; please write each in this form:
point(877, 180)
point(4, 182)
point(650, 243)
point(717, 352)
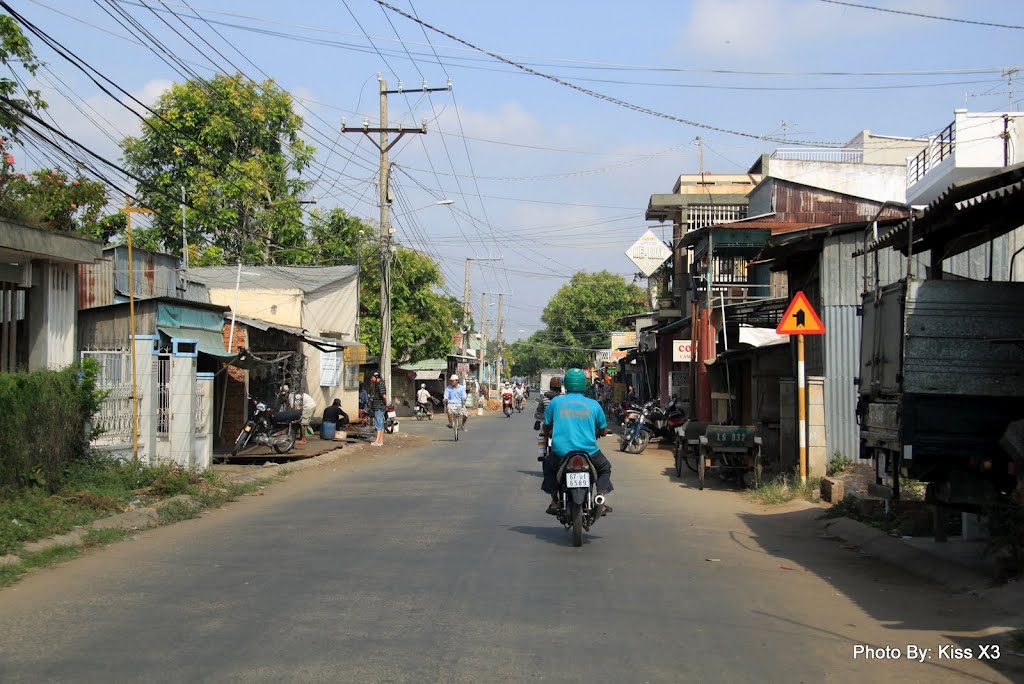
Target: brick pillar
point(236, 391)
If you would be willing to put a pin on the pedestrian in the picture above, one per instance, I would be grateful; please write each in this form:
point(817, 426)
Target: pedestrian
point(302, 402)
point(378, 400)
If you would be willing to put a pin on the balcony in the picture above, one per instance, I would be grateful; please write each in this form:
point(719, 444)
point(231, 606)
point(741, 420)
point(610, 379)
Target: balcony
point(844, 155)
point(971, 145)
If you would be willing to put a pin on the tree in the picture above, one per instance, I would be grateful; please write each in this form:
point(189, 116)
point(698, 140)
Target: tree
point(51, 199)
point(234, 147)
point(579, 318)
point(15, 47)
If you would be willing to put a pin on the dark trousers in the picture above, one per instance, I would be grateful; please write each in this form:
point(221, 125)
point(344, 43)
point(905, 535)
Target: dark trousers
point(551, 464)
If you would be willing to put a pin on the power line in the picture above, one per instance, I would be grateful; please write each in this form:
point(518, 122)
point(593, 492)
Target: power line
point(921, 15)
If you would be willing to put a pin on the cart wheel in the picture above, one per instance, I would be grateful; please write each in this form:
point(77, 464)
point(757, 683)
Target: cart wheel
point(678, 453)
point(691, 456)
point(701, 468)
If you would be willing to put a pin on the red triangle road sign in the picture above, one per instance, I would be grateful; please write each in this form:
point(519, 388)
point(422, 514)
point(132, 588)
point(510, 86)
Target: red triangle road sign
point(800, 318)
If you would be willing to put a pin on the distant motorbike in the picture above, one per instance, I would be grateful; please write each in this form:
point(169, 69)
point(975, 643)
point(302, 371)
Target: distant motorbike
point(424, 411)
point(506, 405)
point(577, 489)
point(520, 404)
point(268, 428)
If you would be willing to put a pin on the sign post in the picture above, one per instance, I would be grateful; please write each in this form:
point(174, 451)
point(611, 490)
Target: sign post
point(800, 319)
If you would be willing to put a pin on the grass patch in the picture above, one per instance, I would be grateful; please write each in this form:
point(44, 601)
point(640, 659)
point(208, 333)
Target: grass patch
point(839, 464)
point(784, 489)
point(176, 511)
point(103, 536)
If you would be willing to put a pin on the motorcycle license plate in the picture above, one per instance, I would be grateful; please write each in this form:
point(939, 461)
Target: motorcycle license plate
point(392, 414)
point(573, 480)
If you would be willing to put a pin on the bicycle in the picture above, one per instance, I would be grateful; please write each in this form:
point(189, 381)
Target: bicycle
point(457, 413)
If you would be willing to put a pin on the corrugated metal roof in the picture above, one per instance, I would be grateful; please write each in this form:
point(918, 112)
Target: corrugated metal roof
point(426, 365)
point(305, 278)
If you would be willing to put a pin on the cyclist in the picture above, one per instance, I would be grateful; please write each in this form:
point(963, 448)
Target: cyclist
point(455, 402)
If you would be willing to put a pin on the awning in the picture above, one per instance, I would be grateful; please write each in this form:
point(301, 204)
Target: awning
point(425, 366)
point(210, 342)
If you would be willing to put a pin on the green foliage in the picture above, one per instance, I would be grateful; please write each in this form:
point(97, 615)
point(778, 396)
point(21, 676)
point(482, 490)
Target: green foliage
point(579, 318)
point(839, 463)
point(44, 430)
point(15, 49)
point(51, 199)
point(235, 148)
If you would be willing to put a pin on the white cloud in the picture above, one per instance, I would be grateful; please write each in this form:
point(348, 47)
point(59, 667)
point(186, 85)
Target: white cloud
point(769, 28)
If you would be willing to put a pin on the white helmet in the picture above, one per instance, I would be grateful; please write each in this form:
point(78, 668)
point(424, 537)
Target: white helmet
point(454, 377)
point(423, 385)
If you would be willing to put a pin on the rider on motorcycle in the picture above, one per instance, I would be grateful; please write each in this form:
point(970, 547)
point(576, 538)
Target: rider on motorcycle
point(520, 394)
point(506, 394)
point(555, 389)
point(574, 422)
point(423, 397)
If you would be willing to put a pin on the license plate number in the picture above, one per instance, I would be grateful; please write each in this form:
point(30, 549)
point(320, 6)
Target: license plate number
point(573, 480)
point(392, 414)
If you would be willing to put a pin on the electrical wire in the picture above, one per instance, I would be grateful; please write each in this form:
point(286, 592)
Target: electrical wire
point(921, 15)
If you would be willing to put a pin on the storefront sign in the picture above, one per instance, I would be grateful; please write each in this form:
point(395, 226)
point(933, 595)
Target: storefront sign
point(682, 351)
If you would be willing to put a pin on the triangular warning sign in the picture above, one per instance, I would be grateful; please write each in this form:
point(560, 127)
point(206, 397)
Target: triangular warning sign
point(800, 318)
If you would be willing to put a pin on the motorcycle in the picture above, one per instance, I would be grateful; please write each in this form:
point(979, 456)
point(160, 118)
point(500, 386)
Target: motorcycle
point(577, 488)
point(506, 405)
point(520, 404)
point(390, 419)
point(649, 422)
point(268, 428)
point(423, 411)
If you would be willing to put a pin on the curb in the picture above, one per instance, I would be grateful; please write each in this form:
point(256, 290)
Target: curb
point(878, 544)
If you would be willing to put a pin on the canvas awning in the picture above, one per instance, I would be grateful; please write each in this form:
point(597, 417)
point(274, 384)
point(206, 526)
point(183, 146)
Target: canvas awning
point(210, 342)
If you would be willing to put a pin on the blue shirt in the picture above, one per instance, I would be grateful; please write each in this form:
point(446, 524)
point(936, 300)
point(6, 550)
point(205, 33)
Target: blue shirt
point(575, 419)
point(455, 395)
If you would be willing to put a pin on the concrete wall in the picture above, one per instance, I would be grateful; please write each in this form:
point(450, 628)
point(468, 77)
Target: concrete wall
point(283, 307)
point(884, 149)
point(878, 182)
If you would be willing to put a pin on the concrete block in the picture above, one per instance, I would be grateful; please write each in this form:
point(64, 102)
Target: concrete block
point(817, 460)
point(816, 436)
point(832, 489)
point(880, 491)
point(868, 506)
point(816, 414)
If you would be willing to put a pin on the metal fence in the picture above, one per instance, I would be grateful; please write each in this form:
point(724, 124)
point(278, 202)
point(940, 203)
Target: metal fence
point(937, 150)
point(200, 409)
point(114, 419)
point(163, 382)
point(825, 154)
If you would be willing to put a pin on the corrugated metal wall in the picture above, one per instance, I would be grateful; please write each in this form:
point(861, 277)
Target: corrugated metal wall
point(843, 275)
point(156, 275)
point(842, 361)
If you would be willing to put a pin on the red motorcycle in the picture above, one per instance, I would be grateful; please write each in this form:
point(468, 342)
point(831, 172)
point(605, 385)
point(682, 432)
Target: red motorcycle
point(506, 404)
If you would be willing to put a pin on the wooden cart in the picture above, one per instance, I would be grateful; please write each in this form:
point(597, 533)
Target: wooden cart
point(731, 450)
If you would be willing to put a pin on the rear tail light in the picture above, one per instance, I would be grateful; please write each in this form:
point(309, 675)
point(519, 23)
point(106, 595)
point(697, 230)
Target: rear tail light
point(578, 463)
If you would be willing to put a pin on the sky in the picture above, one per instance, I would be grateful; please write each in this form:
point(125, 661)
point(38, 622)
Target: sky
point(563, 117)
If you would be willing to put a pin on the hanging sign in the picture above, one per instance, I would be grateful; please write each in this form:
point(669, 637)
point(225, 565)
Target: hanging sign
point(800, 318)
point(682, 351)
point(648, 253)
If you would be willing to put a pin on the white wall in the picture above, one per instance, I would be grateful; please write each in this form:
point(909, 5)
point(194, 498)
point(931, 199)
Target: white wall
point(879, 182)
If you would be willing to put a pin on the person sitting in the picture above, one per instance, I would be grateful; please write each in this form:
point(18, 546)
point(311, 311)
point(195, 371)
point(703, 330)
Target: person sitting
point(574, 422)
point(299, 401)
point(334, 420)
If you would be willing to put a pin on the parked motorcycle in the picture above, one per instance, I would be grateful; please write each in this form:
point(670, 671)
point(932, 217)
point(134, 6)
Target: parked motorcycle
point(268, 428)
point(577, 488)
point(651, 421)
point(390, 419)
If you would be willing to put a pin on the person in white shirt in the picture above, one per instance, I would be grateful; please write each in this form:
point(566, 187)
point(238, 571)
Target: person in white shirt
point(299, 401)
point(423, 397)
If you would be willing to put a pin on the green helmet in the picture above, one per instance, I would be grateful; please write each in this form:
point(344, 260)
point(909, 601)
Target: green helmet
point(575, 380)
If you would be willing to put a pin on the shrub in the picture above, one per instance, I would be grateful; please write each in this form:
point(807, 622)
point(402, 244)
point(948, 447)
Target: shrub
point(47, 415)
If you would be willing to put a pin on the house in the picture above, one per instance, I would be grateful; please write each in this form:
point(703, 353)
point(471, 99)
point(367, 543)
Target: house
point(317, 306)
point(38, 282)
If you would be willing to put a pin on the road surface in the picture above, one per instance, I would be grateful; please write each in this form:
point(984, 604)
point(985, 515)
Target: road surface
point(438, 564)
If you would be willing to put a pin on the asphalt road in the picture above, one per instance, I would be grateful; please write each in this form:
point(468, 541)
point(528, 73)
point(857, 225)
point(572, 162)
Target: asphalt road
point(438, 564)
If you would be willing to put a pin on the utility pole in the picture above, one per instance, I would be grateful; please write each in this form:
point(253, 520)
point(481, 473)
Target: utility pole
point(184, 239)
point(1008, 74)
point(499, 335)
point(465, 298)
point(483, 340)
point(700, 148)
point(384, 146)
point(128, 210)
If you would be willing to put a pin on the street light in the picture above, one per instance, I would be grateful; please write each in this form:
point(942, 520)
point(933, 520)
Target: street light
point(438, 203)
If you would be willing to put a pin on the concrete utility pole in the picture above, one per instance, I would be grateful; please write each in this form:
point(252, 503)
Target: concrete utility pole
point(499, 334)
point(385, 205)
point(465, 298)
point(483, 340)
